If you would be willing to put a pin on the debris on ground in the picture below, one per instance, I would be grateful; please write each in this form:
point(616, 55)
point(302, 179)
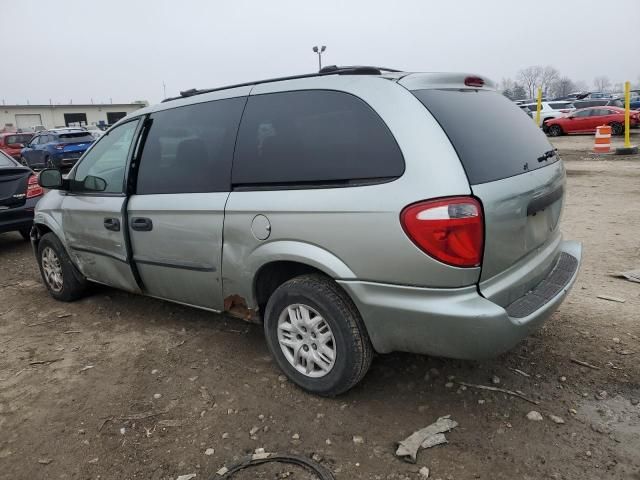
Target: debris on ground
point(534, 416)
point(425, 438)
point(556, 419)
point(358, 440)
point(45, 461)
point(186, 477)
point(424, 472)
point(584, 364)
point(88, 367)
point(495, 380)
point(516, 393)
point(611, 299)
point(520, 372)
point(631, 275)
point(209, 451)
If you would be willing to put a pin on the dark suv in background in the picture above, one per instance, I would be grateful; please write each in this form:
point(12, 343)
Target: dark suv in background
point(58, 148)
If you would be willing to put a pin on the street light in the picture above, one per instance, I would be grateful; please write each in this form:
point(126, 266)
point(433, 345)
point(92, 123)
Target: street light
point(319, 51)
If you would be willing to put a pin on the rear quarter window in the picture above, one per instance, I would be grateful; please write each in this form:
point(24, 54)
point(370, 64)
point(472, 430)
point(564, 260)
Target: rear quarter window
point(313, 137)
point(492, 138)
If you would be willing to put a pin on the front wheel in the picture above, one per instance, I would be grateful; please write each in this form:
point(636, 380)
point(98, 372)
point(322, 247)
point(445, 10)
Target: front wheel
point(316, 335)
point(60, 276)
point(617, 128)
point(555, 130)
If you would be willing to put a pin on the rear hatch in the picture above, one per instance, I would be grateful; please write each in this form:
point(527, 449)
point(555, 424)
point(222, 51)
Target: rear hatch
point(75, 144)
point(514, 171)
point(13, 184)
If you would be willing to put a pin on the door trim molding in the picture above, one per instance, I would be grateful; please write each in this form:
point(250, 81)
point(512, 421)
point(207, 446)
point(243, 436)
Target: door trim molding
point(169, 264)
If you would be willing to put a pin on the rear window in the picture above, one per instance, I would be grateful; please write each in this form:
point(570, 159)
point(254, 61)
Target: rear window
point(76, 137)
point(561, 106)
point(20, 138)
point(313, 137)
point(5, 161)
point(492, 138)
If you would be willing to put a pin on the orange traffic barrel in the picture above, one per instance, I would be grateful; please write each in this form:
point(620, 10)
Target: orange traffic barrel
point(603, 139)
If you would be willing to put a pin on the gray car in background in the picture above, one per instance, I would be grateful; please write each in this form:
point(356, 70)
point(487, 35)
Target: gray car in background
point(353, 211)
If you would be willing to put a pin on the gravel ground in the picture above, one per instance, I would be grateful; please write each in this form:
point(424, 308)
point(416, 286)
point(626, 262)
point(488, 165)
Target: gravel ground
point(118, 386)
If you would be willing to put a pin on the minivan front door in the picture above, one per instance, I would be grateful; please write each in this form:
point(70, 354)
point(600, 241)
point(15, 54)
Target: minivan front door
point(176, 214)
point(93, 212)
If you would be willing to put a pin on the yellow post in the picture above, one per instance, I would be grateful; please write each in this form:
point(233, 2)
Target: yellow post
point(627, 108)
point(539, 107)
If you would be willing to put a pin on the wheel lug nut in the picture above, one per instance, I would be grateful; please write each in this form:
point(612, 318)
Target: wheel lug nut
point(305, 348)
point(315, 347)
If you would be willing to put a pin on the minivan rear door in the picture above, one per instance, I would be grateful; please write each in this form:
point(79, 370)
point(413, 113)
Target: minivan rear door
point(515, 172)
point(176, 214)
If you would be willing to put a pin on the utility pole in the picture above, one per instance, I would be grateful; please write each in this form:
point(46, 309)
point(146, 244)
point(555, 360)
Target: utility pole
point(319, 51)
point(164, 90)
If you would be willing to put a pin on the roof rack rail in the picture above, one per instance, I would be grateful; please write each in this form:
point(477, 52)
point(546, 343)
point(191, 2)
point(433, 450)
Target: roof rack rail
point(328, 70)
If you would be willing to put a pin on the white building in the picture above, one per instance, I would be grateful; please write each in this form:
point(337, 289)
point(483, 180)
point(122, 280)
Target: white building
point(50, 116)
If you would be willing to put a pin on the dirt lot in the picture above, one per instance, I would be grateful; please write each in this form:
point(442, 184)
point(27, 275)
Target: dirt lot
point(118, 386)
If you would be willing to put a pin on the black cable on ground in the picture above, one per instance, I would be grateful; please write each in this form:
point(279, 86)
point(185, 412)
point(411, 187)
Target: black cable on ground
point(314, 467)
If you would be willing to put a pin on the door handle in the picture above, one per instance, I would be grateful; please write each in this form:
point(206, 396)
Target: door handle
point(141, 224)
point(112, 224)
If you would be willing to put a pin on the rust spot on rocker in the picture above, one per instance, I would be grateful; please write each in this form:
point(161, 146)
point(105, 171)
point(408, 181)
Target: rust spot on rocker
point(237, 306)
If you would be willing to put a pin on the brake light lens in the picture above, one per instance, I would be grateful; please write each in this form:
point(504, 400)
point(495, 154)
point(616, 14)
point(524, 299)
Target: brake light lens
point(450, 230)
point(474, 82)
point(33, 189)
point(59, 146)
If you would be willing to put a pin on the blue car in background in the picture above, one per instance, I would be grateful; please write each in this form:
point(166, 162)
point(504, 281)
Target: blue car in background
point(58, 148)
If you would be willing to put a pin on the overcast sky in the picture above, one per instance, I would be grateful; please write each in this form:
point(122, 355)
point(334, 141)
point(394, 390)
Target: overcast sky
point(126, 49)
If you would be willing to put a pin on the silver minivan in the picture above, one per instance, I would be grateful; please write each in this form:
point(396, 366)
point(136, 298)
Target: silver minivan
point(351, 211)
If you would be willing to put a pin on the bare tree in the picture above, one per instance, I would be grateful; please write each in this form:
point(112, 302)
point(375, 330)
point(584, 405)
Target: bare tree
point(530, 78)
point(602, 83)
point(562, 87)
point(581, 86)
point(506, 87)
point(548, 76)
point(519, 93)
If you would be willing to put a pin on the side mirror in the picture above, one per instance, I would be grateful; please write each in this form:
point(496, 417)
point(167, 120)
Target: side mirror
point(94, 184)
point(50, 178)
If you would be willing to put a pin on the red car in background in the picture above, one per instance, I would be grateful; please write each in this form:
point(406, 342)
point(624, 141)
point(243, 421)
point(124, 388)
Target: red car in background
point(585, 120)
point(11, 143)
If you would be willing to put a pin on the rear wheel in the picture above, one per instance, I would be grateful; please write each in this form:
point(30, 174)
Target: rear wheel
point(60, 276)
point(555, 130)
point(616, 128)
point(316, 335)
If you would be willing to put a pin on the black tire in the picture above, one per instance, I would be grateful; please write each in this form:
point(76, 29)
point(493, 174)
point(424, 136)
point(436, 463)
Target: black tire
point(617, 128)
point(555, 131)
point(25, 233)
point(353, 350)
point(74, 284)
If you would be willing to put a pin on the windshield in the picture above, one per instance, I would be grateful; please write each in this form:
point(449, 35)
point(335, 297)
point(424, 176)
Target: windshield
point(491, 136)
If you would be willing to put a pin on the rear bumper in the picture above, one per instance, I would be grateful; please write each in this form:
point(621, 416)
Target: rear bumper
point(455, 323)
point(19, 218)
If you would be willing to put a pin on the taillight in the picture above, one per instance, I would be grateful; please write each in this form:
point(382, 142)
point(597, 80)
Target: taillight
point(59, 146)
point(450, 230)
point(474, 82)
point(33, 189)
